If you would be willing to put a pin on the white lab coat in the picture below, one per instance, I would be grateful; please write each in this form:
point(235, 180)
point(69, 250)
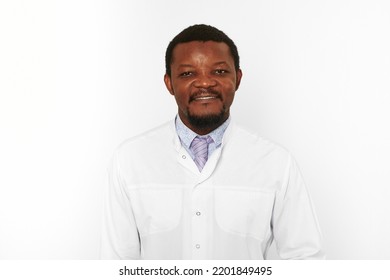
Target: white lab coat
point(250, 192)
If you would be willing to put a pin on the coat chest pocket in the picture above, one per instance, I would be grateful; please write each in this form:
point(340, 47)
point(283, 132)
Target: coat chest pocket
point(156, 209)
point(244, 212)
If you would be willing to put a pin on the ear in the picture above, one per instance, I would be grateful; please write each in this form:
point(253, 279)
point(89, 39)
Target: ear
point(168, 83)
point(238, 78)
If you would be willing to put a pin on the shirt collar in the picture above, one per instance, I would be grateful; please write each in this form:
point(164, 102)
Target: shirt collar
point(186, 135)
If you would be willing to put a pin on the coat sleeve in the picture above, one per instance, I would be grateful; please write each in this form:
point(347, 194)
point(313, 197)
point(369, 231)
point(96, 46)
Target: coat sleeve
point(120, 238)
point(296, 231)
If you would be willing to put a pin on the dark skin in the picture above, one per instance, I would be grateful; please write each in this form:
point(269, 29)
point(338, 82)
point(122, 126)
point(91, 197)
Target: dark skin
point(203, 81)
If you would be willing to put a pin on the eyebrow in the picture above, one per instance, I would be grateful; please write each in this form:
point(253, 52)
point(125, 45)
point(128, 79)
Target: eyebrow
point(185, 65)
point(220, 62)
point(216, 63)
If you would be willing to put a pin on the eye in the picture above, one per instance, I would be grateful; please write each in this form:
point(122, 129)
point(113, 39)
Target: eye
point(221, 71)
point(186, 74)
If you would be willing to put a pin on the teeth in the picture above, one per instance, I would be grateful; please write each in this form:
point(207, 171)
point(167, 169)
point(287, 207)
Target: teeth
point(205, 97)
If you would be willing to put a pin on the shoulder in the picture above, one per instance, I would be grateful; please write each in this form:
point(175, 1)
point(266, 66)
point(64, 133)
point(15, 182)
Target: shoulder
point(158, 136)
point(255, 145)
point(251, 155)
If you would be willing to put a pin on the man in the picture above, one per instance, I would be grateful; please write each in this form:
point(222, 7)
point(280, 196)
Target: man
point(200, 187)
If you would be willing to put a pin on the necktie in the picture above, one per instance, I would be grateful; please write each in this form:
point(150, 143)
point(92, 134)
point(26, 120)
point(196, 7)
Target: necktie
point(199, 147)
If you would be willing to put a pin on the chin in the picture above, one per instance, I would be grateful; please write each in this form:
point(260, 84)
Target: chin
point(208, 120)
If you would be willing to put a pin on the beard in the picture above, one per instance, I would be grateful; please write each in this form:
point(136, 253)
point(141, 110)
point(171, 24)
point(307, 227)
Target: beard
point(206, 121)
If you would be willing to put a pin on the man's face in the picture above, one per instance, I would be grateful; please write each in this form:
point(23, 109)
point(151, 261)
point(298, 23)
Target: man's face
point(203, 81)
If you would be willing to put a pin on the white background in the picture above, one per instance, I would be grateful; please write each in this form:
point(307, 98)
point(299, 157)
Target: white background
point(78, 77)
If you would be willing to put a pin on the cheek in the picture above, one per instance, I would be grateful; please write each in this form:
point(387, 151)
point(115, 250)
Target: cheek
point(181, 88)
point(230, 88)
point(181, 97)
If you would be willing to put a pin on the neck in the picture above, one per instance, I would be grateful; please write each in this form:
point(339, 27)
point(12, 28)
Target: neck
point(204, 131)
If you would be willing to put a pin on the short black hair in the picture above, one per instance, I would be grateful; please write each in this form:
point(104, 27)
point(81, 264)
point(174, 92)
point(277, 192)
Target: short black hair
point(202, 33)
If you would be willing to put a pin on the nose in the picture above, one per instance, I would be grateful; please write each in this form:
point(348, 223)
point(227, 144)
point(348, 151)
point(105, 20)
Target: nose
point(204, 80)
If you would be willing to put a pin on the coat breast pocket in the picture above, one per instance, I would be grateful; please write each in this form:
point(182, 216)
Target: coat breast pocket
point(156, 209)
point(244, 211)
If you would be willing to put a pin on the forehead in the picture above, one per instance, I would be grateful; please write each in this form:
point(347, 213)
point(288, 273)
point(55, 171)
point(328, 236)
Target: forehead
point(209, 50)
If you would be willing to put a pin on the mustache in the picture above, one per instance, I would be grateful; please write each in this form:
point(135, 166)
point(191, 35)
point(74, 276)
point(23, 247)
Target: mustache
point(205, 92)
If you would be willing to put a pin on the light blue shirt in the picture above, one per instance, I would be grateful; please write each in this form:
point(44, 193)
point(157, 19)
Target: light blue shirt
point(186, 136)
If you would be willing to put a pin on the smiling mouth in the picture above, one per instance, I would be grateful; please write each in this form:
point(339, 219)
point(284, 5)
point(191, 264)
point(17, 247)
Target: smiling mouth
point(204, 98)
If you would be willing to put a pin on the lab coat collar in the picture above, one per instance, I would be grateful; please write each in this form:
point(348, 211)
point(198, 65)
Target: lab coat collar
point(176, 139)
